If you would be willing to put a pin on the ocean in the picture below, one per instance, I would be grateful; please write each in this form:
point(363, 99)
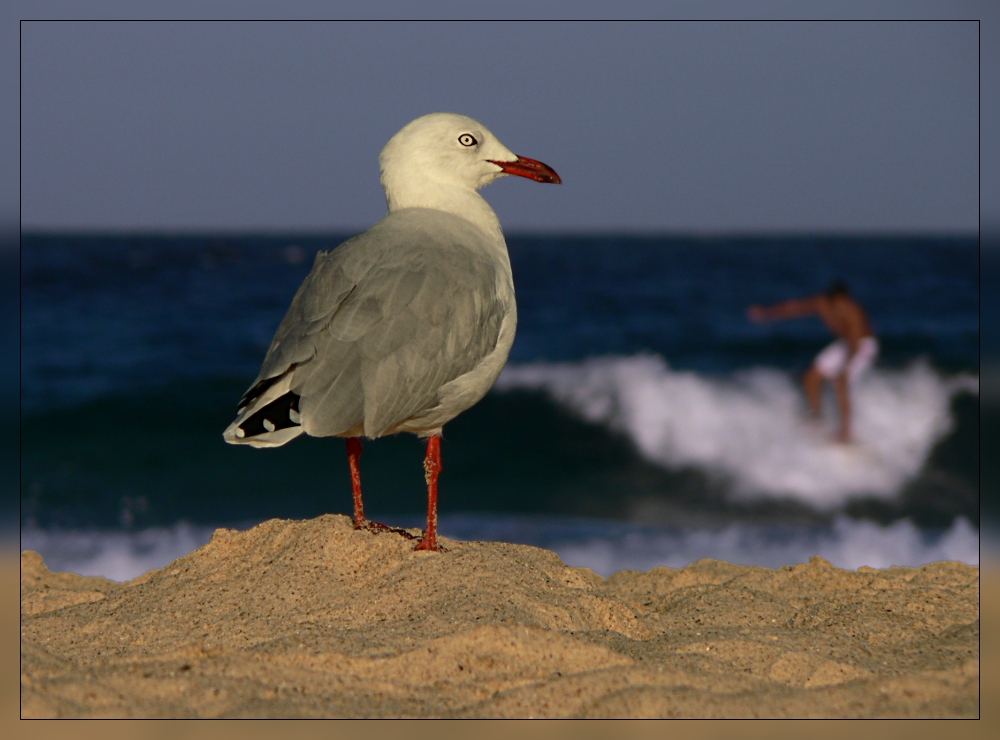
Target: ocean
point(642, 420)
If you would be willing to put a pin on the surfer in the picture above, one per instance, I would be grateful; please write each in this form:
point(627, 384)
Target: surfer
point(845, 359)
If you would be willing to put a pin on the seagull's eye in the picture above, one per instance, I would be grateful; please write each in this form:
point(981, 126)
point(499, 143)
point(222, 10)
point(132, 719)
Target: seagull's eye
point(467, 140)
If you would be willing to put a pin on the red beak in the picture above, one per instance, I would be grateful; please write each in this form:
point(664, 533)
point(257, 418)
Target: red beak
point(530, 168)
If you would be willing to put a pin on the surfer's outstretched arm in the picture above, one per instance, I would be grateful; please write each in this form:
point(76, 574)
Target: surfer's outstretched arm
point(792, 309)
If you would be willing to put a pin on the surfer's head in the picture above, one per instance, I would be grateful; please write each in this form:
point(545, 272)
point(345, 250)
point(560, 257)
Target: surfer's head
point(836, 289)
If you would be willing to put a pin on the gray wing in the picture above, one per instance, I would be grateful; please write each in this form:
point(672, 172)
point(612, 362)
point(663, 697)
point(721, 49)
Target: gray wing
point(386, 319)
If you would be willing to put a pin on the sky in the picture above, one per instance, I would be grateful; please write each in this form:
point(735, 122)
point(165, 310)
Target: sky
point(654, 127)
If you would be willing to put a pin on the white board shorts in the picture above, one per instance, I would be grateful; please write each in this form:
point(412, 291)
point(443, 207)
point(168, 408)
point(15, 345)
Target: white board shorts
point(833, 360)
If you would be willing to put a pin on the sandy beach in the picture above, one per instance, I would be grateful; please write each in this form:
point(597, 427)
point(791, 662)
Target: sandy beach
point(312, 619)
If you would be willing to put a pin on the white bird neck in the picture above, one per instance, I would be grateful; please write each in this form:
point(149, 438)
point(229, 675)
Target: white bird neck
point(454, 199)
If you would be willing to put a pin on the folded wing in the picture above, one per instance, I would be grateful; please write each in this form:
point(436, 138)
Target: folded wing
point(381, 324)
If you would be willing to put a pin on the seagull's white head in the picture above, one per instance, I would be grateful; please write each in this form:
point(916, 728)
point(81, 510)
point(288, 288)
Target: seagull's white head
point(432, 159)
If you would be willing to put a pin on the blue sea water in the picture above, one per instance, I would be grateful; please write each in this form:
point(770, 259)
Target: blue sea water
point(637, 397)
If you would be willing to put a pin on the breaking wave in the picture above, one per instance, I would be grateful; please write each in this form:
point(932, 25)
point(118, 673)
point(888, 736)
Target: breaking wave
point(750, 427)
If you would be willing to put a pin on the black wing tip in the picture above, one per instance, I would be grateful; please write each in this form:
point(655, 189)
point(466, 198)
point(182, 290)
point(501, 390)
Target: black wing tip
point(259, 388)
point(281, 413)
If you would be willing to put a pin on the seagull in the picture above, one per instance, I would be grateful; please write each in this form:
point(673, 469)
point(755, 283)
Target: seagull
point(403, 327)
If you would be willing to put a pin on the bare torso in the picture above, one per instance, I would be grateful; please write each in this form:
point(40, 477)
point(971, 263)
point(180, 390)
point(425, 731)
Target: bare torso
point(844, 317)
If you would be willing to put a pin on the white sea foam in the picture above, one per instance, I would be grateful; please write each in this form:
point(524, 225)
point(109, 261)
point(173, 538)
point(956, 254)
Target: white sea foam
point(117, 556)
point(750, 427)
point(603, 546)
point(847, 544)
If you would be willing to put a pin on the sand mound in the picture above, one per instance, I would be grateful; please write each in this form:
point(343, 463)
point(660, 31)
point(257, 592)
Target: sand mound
point(314, 619)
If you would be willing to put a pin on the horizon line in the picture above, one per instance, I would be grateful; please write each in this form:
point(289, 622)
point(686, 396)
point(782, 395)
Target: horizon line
point(515, 233)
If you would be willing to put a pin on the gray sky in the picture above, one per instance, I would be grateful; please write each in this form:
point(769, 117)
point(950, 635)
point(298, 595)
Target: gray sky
point(715, 127)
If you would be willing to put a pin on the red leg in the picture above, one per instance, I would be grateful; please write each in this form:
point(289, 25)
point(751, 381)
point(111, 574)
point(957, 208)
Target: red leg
point(354, 458)
point(432, 469)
